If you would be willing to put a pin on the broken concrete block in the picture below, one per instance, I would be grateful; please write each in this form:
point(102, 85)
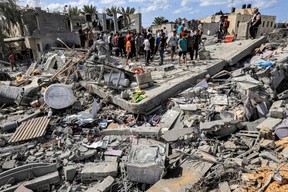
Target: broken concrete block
point(9, 164)
point(285, 152)
point(65, 155)
point(104, 186)
point(146, 163)
point(224, 187)
point(269, 123)
point(230, 145)
point(169, 118)
point(270, 156)
point(219, 100)
point(69, 173)
point(95, 171)
point(175, 134)
point(144, 78)
point(267, 144)
point(262, 109)
point(188, 107)
point(209, 125)
point(245, 83)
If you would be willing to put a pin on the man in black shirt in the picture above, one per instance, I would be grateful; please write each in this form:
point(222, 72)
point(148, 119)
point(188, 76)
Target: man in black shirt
point(162, 47)
point(255, 22)
point(152, 45)
point(121, 44)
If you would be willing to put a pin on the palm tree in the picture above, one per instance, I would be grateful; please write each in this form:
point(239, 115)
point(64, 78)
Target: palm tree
point(158, 20)
point(126, 14)
point(10, 15)
point(74, 11)
point(89, 9)
point(113, 12)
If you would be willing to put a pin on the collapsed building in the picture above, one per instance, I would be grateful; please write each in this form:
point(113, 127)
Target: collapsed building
point(82, 121)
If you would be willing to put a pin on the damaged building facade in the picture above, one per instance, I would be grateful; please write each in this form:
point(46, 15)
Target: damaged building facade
point(42, 29)
point(238, 19)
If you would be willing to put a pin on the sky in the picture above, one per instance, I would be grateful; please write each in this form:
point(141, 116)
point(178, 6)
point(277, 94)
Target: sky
point(171, 9)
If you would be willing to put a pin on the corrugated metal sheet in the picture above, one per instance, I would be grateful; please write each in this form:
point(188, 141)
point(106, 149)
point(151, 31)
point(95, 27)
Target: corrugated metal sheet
point(33, 128)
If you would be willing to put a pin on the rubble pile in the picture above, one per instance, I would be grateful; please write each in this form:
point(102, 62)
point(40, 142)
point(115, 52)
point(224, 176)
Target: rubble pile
point(228, 132)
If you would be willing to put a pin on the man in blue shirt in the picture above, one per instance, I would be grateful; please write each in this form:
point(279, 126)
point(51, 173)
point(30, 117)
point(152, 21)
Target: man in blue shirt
point(181, 27)
point(182, 45)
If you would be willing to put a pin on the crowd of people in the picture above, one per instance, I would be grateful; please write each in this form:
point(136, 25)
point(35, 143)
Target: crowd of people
point(182, 42)
point(133, 46)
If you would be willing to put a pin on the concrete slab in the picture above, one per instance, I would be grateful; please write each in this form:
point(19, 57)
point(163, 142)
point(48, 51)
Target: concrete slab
point(95, 171)
point(164, 88)
point(235, 51)
point(104, 186)
point(269, 123)
point(173, 135)
point(191, 173)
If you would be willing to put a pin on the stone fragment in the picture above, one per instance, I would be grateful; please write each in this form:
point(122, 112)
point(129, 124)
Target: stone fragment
point(224, 187)
point(269, 123)
point(9, 164)
point(104, 186)
point(69, 173)
point(270, 156)
point(95, 171)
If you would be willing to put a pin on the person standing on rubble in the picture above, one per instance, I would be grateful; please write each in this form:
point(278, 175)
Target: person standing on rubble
point(255, 21)
point(90, 38)
point(82, 37)
point(133, 45)
point(157, 44)
point(180, 28)
point(197, 41)
point(226, 25)
point(152, 45)
point(162, 46)
point(121, 45)
point(128, 49)
point(12, 61)
point(200, 27)
point(147, 50)
point(139, 44)
point(110, 42)
point(190, 44)
point(182, 46)
point(172, 42)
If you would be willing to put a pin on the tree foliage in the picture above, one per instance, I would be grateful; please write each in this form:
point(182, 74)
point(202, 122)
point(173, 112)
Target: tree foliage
point(91, 9)
point(74, 11)
point(126, 12)
point(159, 20)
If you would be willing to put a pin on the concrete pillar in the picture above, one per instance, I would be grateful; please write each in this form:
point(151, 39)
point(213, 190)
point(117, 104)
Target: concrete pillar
point(115, 22)
point(104, 22)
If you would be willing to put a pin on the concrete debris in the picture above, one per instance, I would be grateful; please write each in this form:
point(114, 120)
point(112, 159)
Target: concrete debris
point(84, 120)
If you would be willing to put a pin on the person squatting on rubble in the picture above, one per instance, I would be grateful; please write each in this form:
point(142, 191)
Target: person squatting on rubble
point(255, 21)
point(12, 61)
point(172, 42)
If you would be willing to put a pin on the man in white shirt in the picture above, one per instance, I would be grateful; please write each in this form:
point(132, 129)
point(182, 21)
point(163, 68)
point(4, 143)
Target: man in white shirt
point(166, 32)
point(172, 42)
point(147, 49)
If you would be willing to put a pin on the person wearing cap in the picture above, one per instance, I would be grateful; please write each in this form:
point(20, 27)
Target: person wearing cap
point(181, 27)
point(172, 42)
point(162, 47)
point(182, 45)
